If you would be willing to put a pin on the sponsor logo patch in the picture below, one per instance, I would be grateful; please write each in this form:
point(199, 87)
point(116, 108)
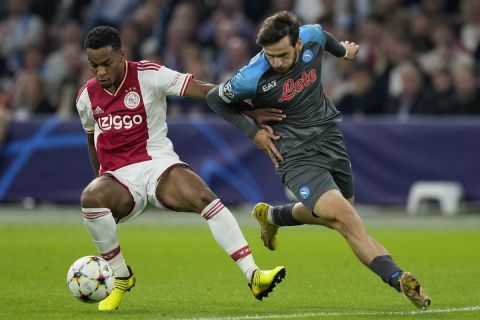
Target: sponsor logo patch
point(98, 110)
point(176, 78)
point(226, 91)
point(269, 86)
point(119, 122)
point(291, 87)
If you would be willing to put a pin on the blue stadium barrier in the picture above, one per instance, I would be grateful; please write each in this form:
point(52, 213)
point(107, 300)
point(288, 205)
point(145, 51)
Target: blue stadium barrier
point(47, 160)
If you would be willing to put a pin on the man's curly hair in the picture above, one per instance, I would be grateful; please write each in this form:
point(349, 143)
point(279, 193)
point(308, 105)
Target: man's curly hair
point(276, 27)
point(103, 36)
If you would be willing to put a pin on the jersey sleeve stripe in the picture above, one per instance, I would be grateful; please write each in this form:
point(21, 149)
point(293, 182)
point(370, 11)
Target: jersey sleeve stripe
point(149, 64)
point(185, 84)
point(80, 92)
point(143, 62)
point(148, 68)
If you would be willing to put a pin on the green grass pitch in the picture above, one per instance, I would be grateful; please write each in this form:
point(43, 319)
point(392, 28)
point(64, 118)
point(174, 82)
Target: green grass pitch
point(183, 274)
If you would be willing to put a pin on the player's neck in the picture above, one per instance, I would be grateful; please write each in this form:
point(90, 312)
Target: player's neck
point(113, 89)
point(297, 55)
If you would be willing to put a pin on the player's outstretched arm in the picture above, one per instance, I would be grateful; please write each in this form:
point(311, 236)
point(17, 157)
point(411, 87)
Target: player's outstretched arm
point(264, 141)
point(344, 49)
point(263, 138)
point(263, 116)
point(231, 113)
point(198, 89)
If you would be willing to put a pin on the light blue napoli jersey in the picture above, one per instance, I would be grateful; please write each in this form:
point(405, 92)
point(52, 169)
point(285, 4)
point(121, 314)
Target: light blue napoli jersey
point(298, 92)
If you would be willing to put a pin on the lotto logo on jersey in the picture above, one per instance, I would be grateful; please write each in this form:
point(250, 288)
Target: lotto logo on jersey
point(118, 122)
point(292, 87)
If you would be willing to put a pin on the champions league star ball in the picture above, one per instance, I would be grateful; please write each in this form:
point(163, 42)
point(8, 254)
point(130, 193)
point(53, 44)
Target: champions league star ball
point(90, 279)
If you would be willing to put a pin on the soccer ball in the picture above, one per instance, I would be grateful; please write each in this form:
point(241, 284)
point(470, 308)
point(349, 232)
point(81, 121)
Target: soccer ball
point(90, 279)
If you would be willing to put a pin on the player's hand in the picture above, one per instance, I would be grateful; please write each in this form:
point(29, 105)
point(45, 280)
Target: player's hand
point(352, 49)
point(264, 115)
point(264, 141)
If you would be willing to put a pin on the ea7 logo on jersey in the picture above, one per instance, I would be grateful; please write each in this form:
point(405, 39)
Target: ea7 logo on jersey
point(225, 91)
point(269, 86)
point(118, 122)
point(132, 100)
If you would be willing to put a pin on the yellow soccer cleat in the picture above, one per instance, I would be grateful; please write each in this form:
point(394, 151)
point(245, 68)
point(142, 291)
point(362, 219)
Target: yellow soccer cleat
point(268, 231)
point(263, 281)
point(122, 285)
point(412, 289)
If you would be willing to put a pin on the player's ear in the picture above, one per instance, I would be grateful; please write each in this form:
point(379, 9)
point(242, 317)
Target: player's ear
point(298, 45)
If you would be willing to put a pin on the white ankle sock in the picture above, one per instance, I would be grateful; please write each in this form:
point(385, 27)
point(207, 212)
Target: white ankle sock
point(103, 229)
point(229, 237)
point(270, 216)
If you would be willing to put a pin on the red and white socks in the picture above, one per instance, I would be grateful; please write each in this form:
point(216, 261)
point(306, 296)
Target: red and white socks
point(103, 229)
point(229, 237)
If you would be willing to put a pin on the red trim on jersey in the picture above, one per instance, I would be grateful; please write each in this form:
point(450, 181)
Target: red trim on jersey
point(149, 68)
point(185, 84)
point(121, 84)
point(79, 93)
point(118, 181)
point(111, 254)
point(240, 253)
point(142, 62)
point(214, 210)
point(146, 63)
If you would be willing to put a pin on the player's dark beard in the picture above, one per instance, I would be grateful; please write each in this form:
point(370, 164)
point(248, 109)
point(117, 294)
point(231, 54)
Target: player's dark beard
point(295, 59)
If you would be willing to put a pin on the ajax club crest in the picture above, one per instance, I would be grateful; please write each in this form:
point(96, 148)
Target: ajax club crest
point(132, 100)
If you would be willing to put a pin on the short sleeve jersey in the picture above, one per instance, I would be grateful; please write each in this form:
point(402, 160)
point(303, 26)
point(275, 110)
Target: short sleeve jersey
point(298, 92)
point(129, 126)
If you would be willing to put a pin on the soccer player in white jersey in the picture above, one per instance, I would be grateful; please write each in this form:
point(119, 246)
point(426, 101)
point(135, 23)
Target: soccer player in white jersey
point(123, 111)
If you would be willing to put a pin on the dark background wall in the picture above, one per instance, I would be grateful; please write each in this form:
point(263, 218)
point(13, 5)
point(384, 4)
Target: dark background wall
point(47, 159)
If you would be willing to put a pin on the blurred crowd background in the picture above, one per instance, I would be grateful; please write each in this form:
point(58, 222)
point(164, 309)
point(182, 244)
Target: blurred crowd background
point(416, 57)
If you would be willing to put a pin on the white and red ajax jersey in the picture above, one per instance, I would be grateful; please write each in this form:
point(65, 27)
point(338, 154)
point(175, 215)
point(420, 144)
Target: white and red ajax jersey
point(129, 126)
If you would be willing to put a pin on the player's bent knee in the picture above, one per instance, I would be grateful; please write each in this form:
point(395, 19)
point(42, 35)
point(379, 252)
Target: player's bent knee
point(347, 222)
point(93, 197)
point(205, 197)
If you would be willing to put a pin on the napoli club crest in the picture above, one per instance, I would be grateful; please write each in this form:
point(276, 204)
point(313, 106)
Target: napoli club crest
point(307, 56)
point(132, 100)
point(304, 192)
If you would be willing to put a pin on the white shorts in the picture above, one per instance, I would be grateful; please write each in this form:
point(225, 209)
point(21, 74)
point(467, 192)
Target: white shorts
point(141, 180)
